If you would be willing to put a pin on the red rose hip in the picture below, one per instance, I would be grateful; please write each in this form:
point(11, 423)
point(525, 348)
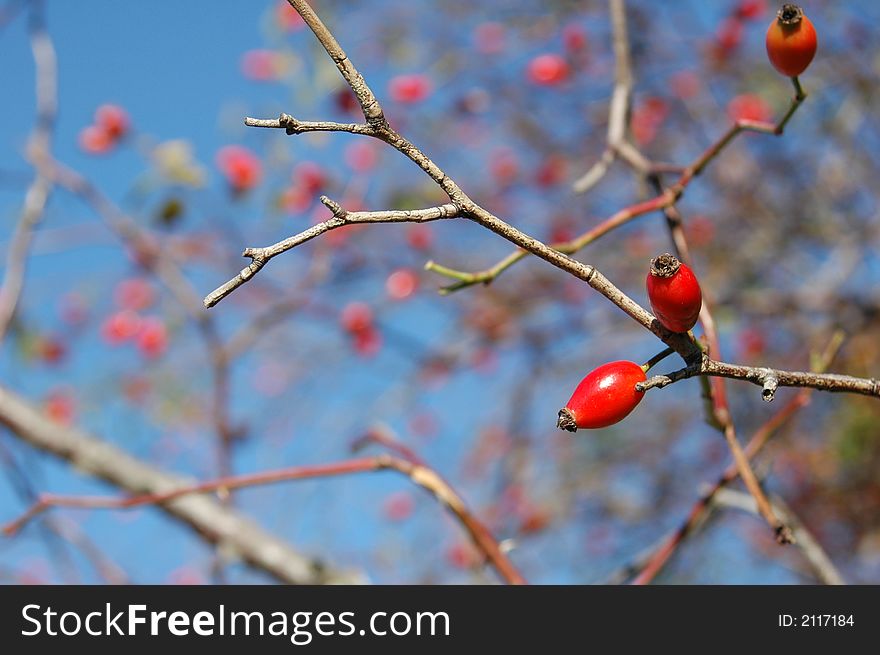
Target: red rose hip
point(674, 293)
point(791, 41)
point(605, 397)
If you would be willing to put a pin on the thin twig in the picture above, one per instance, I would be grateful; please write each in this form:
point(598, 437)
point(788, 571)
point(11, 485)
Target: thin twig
point(341, 217)
point(670, 195)
point(419, 474)
point(212, 521)
point(654, 561)
point(621, 97)
point(822, 565)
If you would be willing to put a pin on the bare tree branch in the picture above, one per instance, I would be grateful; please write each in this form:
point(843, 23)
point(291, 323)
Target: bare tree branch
point(209, 518)
point(37, 195)
point(170, 498)
point(653, 561)
point(812, 549)
point(260, 256)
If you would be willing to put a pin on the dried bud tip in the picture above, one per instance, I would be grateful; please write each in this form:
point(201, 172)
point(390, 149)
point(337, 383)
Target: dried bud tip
point(666, 265)
point(566, 420)
point(784, 535)
point(789, 15)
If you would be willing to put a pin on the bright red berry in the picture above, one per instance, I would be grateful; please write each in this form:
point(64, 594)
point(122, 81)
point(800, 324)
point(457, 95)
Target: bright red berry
point(674, 293)
point(605, 397)
point(547, 70)
point(791, 41)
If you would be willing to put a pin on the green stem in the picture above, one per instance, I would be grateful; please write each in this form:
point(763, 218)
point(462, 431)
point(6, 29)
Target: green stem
point(656, 359)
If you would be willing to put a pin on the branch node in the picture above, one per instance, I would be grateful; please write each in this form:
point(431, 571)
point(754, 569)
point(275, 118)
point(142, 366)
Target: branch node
point(771, 383)
point(784, 535)
point(289, 123)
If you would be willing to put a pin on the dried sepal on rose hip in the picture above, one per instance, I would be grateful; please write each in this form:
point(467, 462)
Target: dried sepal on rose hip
point(674, 293)
point(791, 41)
point(604, 397)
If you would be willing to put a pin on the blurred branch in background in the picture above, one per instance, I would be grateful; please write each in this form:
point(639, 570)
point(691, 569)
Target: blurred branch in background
point(219, 525)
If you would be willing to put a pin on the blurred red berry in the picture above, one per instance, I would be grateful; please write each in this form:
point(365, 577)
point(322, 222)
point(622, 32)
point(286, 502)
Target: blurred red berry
point(749, 107)
point(489, 38)
point(367, 342)
point(420, 237)
point(647, 117)
point(409, 88)
point(752, 343)
point(462, 556)
point(60, 406)
point(52, 350)
point(534, 520)
point(120, 326)
point(401, 284)
point(504, 165)
point(751, 9)
point(287, 18)
point(700, 230)
point(574, 37)
point(729, 35)
point(73, 309)
point(346, 101)
point(240, 166)
point(547, 70)
point(95, 140)
point(356, 317)
point(423, 424)
point(361, 156)
point(135, 294)
point(259, 65)
point(113, 119)
point(136, 388)
point(552, 171)
point(685, 84)
point(295, 200)
point(398, 506)
point(152, 340)
point(310, 176)
point(186, 575)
